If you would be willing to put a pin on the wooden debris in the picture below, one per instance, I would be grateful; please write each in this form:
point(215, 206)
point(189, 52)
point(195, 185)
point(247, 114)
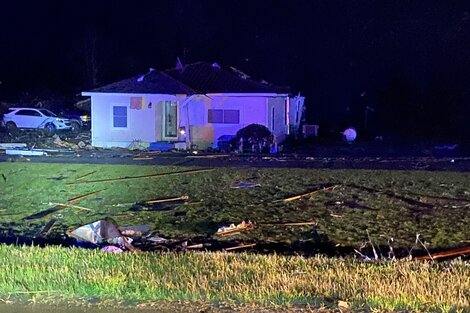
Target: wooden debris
point(85, 175)
point(47, 228)
point(142, 158)
point(232, 229)
point(240, 247)
point(211, 156)
point(44, 213)
point(11, 145)
point(196, 246)
point(141, 176)
point(308, 194)
point(67, 205)
point(444, 254)
point(166, 200)
point(76, 199)
point(300, 224)
point(289, 224)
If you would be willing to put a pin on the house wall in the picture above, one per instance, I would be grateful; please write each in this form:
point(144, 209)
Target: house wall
point(142, 124)
point(205, 134)
point(277, 122)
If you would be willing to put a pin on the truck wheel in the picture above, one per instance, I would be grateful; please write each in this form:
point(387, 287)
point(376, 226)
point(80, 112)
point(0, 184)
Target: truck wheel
point(75, 129)
point(50, 129)
point(11, 127)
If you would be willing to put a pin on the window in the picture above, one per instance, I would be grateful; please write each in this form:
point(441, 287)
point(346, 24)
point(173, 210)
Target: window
point(28, 113)
point(224, 116)
point(120, 116)
point(231, 116)
point(216, 116)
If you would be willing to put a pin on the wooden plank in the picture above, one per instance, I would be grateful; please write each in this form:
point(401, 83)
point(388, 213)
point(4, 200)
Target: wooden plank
point(308, 193)
point(76, 199)
point(85, 175)
point(444, 254)
point(240, 247)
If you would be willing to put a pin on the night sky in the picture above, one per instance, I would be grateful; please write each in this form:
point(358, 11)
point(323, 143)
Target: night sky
point(407, 60)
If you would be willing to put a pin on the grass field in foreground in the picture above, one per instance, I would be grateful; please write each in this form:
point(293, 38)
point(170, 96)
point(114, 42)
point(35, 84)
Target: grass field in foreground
point(55, 274)
point(389, 204)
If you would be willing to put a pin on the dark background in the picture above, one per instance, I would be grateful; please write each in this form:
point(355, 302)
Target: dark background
point(407, 60)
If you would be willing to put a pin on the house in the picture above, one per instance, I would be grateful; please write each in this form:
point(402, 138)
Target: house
point(189, 106)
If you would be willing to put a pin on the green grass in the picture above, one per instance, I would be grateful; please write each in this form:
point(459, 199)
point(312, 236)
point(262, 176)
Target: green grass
point(378, 201)
point(56, 274)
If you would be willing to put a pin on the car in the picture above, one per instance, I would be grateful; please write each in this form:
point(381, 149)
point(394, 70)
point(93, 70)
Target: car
point(80, 117)
point(33, 118)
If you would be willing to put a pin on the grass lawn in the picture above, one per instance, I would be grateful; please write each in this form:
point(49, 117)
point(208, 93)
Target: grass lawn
point(388, 204)
point(59, 275)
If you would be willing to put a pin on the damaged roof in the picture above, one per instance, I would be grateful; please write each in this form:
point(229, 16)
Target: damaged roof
point(152, 82)
point(212, 78)
point(196, 78)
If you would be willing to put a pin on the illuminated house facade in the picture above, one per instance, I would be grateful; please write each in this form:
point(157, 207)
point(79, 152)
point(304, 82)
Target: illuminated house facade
point(189, 106)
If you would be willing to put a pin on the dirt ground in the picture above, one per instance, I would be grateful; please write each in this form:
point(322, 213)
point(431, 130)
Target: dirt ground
point(76, 148)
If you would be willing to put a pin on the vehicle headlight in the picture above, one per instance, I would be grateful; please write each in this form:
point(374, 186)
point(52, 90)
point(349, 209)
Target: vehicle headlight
point(59, 120)
point(85, 118)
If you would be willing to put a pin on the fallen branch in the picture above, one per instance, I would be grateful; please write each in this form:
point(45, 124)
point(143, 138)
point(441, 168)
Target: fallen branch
point(308, 193)
point(240, 247)
point(140, 177)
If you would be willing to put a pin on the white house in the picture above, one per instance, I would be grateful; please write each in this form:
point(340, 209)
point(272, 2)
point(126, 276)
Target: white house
point(193, 105)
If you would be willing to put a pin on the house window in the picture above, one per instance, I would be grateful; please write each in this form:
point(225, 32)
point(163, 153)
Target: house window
point(216, 116)
point(120, 116)
point(224, 116)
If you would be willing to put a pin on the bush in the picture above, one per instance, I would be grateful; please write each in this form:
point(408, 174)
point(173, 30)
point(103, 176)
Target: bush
point(253, 138)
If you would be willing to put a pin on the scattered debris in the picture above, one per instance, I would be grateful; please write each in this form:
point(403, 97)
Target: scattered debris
point(342, 304)
point(297, 224)
point(102, 232)
point(47, 228)
point(142, 158)
point(4, 177)
point(157, 240)
point(64, 144)
point(12, 145)
point(210, 156)
point(135, 231)
point(112, 249)
point(138, 145)
point(25, 152)
point(309, 193)
point(243, 184)
point(240, 247)
point(68, 205)
point(234, 229)
point(196, 246)
point(142, 176)
point(44, 213)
